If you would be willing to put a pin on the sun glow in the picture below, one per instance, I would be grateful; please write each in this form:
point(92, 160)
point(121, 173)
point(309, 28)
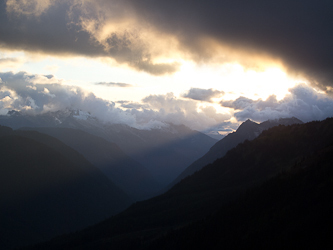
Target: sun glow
point(236, 80)
point(272, 81)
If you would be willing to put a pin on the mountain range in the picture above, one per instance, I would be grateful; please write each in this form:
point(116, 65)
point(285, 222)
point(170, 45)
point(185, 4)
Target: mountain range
point(165, 152)
point(121, 169)
point(64, 171)
point(273, 191)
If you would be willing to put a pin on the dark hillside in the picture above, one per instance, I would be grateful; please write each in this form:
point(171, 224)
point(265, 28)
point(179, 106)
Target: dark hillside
point(45, 193)
point(290, 211)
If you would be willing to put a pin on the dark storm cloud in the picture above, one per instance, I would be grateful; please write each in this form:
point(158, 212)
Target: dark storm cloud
point(114, 84)
point(302, 102)
point(297, 32)
point(203, 94)
point(48, 33)
point(55, 31)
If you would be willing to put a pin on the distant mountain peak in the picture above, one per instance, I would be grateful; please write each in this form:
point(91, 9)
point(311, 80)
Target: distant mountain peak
point(247, 125)
point(248, 130)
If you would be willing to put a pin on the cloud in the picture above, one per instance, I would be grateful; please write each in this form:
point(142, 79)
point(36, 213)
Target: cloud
point(122, 34)
point(297, 33)
point(303, 102)
point(143, 33)
point(131, 105)
point(37, 94)
point(74, 27)
point(10, 62)
point(114, 84)
point(169, 108)
point(240, 103)
point(203, 94)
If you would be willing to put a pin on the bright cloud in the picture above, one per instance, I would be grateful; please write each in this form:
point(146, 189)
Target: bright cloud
point(39, 94)
point(303, 102)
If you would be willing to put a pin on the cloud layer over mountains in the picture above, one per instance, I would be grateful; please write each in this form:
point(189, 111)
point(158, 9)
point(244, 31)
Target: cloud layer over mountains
point(34, 94)
point(152, 35)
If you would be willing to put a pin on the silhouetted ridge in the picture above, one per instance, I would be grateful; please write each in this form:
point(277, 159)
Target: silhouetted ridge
point(291, 211)
point(248, 130)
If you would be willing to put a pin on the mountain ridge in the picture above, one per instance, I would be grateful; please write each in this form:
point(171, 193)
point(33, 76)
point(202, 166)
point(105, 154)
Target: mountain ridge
point(248, 130)
point(176, 144)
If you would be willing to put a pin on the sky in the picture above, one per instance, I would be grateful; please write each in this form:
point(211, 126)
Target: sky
point(207, 64)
